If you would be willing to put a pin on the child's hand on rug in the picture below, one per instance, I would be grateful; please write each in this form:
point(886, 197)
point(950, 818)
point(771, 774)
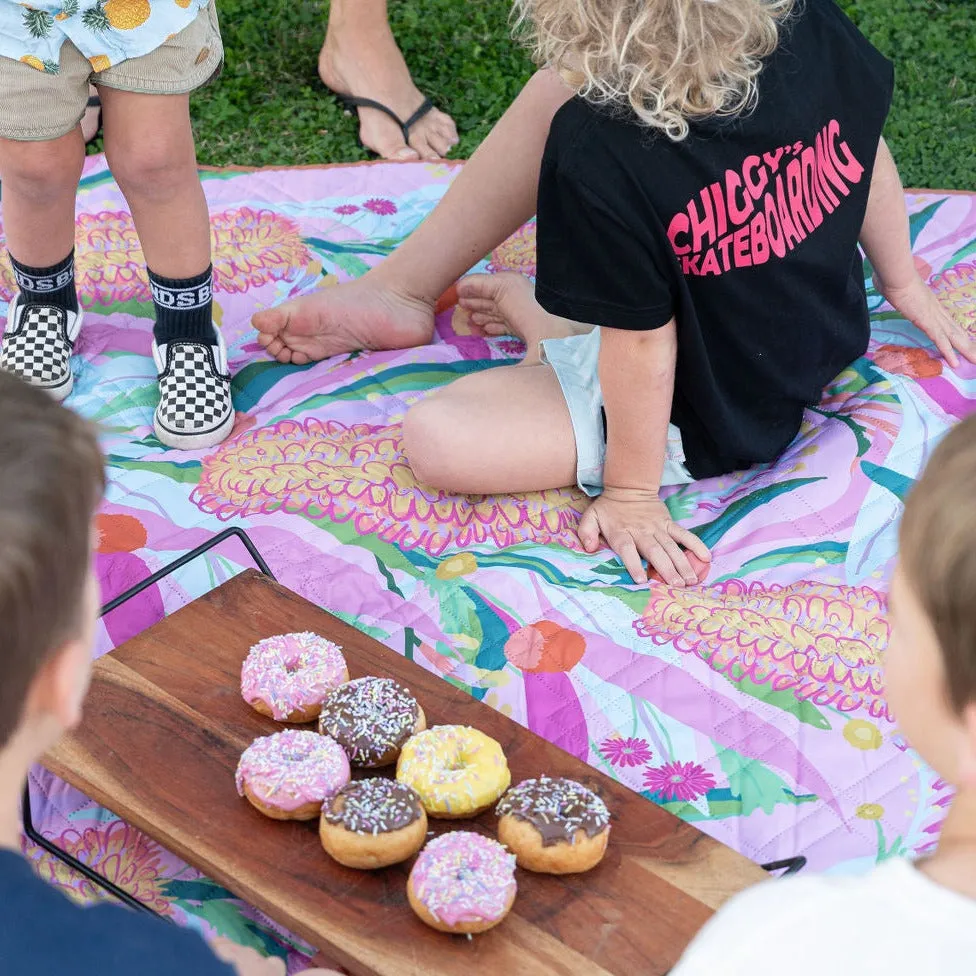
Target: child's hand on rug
point(636, 525)
point(917, 302)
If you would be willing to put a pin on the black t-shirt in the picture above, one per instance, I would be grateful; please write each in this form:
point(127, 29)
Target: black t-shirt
point(43, 934)
point(745, 232)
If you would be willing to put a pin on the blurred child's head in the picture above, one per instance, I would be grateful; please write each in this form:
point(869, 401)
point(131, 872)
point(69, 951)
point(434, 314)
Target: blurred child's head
point(930, 664)
point(51, 480)
point(668, 60)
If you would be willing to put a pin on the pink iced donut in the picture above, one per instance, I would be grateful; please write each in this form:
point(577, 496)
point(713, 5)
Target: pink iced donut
point(462, 882)
point(287, 676)
point(289, 775)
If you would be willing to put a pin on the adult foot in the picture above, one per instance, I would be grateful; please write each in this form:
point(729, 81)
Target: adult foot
point(371, 66)
point(362, 314)
point(504, 304)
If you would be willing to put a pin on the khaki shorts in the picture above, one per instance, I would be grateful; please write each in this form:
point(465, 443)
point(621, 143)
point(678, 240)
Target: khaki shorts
point(36, 106)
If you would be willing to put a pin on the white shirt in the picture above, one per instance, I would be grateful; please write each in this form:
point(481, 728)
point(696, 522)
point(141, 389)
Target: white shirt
point(890, 922)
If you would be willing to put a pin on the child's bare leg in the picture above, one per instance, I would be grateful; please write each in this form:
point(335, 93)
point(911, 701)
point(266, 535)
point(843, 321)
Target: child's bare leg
point(504, 304)
point(503, 430)
point(40, 183)
point(149, 145)
point(393, 306)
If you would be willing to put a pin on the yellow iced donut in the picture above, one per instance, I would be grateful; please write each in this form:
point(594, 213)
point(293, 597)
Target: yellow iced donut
point(457, 771)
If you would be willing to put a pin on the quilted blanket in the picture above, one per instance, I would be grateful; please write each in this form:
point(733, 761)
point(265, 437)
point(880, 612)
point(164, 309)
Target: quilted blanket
point(751, 706)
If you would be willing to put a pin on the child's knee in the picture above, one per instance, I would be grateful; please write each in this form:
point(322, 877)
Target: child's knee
point(151, 168)
point(426, 431)
point(39, 172)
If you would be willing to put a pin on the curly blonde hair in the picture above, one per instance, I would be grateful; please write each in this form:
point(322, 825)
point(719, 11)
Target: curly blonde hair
point(668, 60)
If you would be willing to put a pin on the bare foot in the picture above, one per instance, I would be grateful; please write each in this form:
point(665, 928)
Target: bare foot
point(371, 66)
point(362, 314)
point(504, 304)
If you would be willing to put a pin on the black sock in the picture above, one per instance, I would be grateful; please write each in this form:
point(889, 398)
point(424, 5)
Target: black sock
point(48, 286)
point(184, 308)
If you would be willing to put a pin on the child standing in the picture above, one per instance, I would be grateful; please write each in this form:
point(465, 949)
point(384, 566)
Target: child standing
point(700, 203)
point(903, 917)
point(144, 57)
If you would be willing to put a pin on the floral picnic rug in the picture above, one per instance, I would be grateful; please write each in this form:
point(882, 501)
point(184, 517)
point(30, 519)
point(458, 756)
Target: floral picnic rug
point(751, 706)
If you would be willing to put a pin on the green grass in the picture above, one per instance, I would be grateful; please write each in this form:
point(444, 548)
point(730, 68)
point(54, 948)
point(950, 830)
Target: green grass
point(268, 107)
point(932, 126)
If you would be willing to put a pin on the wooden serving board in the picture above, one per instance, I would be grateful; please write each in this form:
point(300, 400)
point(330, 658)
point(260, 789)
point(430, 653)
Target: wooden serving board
point(163, 730)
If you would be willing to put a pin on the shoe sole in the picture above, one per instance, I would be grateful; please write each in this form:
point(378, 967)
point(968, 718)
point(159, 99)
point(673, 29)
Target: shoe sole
point(194, 442)
point(59, 391)
point(62, 391)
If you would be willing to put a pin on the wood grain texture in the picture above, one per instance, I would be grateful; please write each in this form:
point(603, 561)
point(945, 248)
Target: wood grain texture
point(165, 725)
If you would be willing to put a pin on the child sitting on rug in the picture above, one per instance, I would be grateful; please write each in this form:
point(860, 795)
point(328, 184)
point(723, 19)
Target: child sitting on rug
point(51, 480)
point(144, 58)
point(902, 917)
point(701, 202)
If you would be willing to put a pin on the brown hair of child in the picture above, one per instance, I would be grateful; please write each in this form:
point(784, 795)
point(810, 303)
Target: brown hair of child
point(51, 480)
point(938, 554)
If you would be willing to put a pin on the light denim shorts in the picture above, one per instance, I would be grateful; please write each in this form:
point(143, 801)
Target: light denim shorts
point(575, 363)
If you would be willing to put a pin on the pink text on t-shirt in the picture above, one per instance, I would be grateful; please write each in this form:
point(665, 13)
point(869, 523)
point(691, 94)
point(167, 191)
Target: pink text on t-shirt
point(766, 207)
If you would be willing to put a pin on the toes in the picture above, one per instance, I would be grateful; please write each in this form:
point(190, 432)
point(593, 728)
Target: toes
point(269, 321)
point(441, 145)
point(477, 287)
point(496, 329)
point(275, 348)
point(477, 304)
point(442, 135)
point(443, 124)
point(419, 141)
point(380, 134)
point(487, 319)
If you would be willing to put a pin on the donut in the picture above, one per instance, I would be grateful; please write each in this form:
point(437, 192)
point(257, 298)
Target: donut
point(554, 826)
point(289, 775)
point(462, 882)
point(372, 823)
point(287, 676)
point(457, 771)
point(371, 718)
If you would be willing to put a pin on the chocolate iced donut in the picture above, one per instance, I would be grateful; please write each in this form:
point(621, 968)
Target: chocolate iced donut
point(371, 718)
point(554, 826)
point(372, 823)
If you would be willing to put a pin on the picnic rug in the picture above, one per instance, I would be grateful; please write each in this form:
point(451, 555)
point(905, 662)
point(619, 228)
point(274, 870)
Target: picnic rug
point(751, 706)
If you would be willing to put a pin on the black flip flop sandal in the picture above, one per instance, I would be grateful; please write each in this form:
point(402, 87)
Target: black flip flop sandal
point(95, 102)
point(354, 102)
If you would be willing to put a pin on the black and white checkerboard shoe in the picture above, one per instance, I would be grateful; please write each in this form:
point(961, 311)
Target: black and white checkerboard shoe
point(195, 408)
point(37, 345)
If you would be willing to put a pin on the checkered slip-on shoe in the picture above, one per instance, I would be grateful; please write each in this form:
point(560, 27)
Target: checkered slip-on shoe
point(195, 408)
point(38, 343)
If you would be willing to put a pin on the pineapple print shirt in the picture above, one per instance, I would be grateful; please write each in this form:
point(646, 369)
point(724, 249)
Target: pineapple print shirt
point(105, 31)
